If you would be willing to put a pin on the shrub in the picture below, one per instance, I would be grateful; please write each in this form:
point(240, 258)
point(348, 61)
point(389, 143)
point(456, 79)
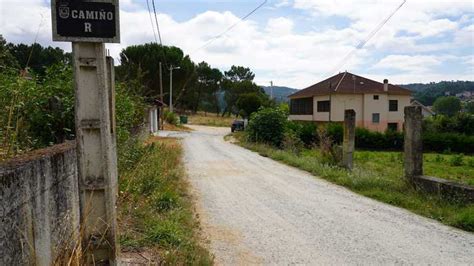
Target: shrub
point(461, 123)
point(292, 142)
point(171, 118)
point(267, 126)
point(331, 153)
point(448, 141)
point(336, 131)
point(305, 131)
point(389, 140)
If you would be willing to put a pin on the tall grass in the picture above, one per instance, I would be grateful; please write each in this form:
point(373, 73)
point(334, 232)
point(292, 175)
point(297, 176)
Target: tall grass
point(155, 209)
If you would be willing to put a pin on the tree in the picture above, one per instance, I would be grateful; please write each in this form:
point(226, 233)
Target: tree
point(470, 107)
point(141, 62)
point(7, 60)
point(249, 103)
point(239, 73)
point(207, 88)
point(447, 105)
point(238, 81)
point(37, 57)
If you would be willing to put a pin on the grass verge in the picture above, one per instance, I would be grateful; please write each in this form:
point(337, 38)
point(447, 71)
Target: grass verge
point(374, 181)
point(155, 208)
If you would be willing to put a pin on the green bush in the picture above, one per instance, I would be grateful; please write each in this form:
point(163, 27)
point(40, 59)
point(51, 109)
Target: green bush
point(305, 131)
point(336, 131)
point(389, 140)
point(267, 126)
point(171, 118)
point(462, 123)
point(291, 142)
point(35, 113)
point(453, 142)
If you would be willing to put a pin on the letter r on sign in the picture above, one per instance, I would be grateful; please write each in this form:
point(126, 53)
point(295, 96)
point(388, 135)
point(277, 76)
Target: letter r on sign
point(87, 27)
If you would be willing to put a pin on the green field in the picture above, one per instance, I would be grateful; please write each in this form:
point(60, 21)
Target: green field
point(459, 168)
point(379, 175)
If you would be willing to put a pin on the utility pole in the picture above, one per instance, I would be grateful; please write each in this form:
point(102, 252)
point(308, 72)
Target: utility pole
point(161, 99)
point(271, 89)
point(171, 86)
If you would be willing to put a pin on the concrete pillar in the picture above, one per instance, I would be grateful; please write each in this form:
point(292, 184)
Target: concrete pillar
point(97, 166)
point(349, 138)
point(413, 142)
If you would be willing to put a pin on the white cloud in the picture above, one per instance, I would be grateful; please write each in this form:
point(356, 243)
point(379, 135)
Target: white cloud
point(275, 50)
point(283, 3)
point(407, 63)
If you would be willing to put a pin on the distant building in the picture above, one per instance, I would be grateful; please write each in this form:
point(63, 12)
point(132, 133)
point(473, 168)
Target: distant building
point(426, 111)
point(465, 94)
point(378, 106)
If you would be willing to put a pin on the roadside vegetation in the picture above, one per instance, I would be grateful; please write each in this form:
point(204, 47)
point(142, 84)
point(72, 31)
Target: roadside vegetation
point(377, 173)
point(37, 110)
point(155, 207)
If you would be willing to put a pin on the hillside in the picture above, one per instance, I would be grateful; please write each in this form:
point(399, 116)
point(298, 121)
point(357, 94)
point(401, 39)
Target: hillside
point(279, 93)
point(427, 93)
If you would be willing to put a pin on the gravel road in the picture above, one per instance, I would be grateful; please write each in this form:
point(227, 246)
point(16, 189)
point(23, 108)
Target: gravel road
point(257, 211)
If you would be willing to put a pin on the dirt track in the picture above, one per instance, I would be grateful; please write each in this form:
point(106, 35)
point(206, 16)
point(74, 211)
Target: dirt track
point(257, 211)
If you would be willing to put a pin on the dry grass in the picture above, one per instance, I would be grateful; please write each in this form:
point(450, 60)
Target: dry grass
point(211, 119)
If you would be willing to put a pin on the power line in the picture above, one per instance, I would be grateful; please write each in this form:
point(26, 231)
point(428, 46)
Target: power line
point(157, 24)
point(151, 20)
point(231, 27)
point(362, 43)
point(159, 35)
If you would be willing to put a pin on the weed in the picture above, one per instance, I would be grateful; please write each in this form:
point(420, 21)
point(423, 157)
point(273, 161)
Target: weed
point(456, 160)
point(155, 211)
point(438, 159)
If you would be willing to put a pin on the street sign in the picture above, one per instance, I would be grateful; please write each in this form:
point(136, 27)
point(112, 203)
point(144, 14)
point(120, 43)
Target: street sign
point(85, 20)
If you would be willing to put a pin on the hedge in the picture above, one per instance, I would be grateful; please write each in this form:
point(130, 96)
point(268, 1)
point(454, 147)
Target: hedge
point(453, 142)
point(390, 140)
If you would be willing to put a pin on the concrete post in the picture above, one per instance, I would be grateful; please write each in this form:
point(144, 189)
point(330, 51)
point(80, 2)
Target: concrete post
point(97, 166)
point(413, 142)
point(349, 138)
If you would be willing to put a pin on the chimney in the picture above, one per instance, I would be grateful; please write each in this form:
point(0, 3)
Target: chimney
point(385, 85)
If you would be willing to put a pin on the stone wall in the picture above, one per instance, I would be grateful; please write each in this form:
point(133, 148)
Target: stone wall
point(445, 189)
point(39, 206)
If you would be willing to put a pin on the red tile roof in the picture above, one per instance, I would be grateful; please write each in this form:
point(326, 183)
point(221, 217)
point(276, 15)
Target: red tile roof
point(348, 83)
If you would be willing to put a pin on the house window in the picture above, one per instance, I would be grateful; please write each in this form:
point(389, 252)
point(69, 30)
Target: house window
point(375, 118)
point(376, 97)
point(393, 106)
point(302, 106)
point(324, 106)
point(392, 127)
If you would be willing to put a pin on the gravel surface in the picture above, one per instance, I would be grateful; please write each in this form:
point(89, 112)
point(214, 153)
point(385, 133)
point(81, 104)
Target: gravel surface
point(257, 211)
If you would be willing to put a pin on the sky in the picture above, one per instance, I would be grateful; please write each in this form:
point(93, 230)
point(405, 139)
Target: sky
point(293, 43)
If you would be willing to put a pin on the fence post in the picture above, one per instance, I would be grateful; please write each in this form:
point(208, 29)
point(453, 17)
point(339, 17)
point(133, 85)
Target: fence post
point(413, 144)
point(349, 138)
